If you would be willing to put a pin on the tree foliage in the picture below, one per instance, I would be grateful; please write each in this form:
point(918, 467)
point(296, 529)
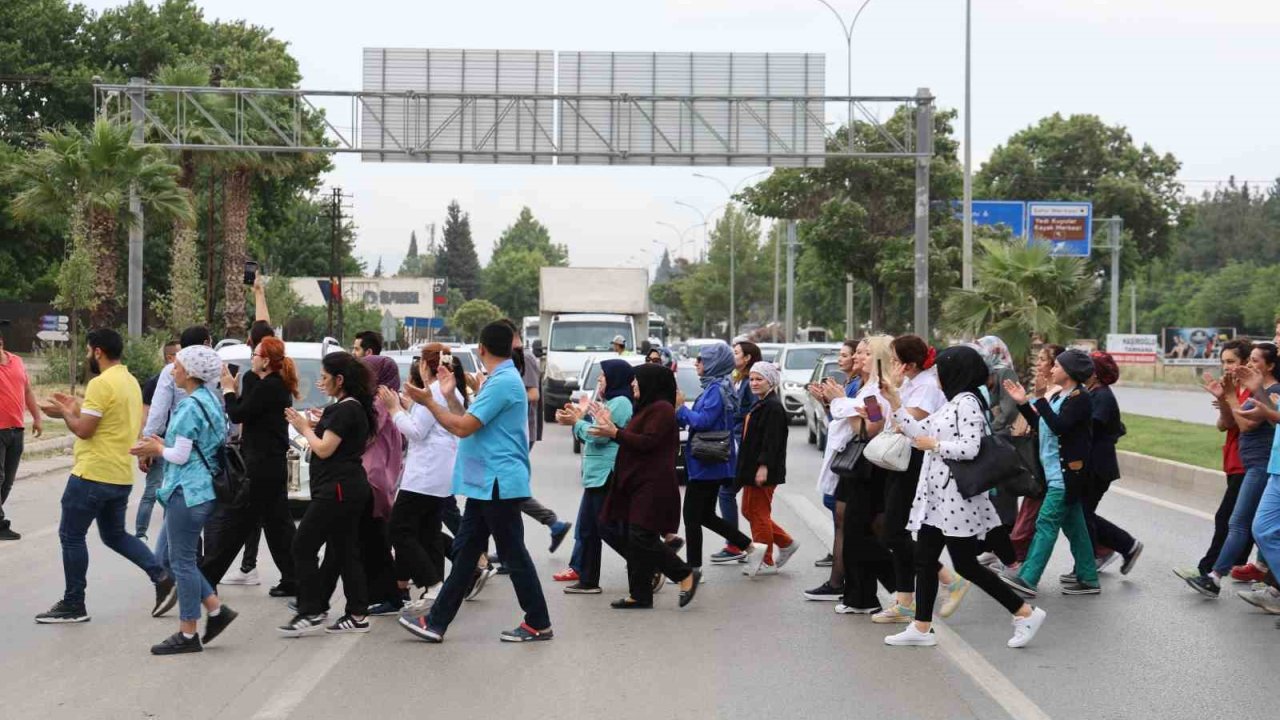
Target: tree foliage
point(469, 319)
point(458, 261)
point(511, 280)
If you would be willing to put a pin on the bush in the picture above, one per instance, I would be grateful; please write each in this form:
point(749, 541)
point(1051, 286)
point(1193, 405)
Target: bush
point(144, 356)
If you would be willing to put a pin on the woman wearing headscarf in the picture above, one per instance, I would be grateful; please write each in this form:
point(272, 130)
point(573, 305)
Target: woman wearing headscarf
point(711, 412)
point(1065, 418)
point(1024, 525)
point(383, 459)
point(196, 432)
point(998, 546)
point(645, 497)
point(940, 516)
point(745, 355)
point(1103, 468)
point(762, 467)
point(598, 456)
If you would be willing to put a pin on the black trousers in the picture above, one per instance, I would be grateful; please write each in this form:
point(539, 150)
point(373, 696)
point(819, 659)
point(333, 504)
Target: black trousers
point(416, 522)
point(964, 558)
point(646, 554)
point(332, 524)
point(700, 501)
point(1103, 532)
point(591, 534)
point(999, 542)
point(900, 491)
point(866, 560)
point(373, 543)
point(230, 527)
point(1220, 520)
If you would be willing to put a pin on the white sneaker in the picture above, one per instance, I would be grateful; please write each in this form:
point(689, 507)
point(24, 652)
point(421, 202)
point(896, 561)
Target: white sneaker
point(767, 569)
point(987, 559)
point(433, 592)
point(1024, 629)
point(912, 637)
point(755, 558)
point(842, 609)
point(239, 577)
point(784, 554)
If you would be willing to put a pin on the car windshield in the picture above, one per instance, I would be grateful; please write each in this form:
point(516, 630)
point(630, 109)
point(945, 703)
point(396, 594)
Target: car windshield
point(588, 336)
point(804, 358)
point(308, 374)
point(831, 369)
point(688, 382)
point(467, 359)
point(593, 377)
point(769, 354)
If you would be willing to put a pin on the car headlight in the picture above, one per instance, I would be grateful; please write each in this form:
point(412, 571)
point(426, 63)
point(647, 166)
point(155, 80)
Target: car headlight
point(793, 386)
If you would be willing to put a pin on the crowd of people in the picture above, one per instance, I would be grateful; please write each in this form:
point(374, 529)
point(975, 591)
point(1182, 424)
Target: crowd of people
point(909, 431)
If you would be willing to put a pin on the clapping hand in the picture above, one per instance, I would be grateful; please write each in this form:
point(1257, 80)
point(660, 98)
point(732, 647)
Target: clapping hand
point(1249, 379)
point(389, 399)
point(300, 422)
point(448, 383)
point(1016, 391)
point(831, 390)
point(148, 447)
point(420, 395)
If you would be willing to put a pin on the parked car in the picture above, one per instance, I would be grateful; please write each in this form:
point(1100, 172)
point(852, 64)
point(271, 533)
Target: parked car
point(690, 384)
point(815, 414)
point(306, 357)
point(406, 358)
point(797, 361)
point(769, 351)
point(588, 379)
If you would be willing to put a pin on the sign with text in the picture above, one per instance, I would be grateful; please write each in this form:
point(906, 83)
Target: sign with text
point(1012, 214)
point(1067, 227)
point(1133, 344)
point(1194, 346)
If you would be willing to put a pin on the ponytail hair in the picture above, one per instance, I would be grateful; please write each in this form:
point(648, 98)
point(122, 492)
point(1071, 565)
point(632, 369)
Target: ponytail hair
point(278, 362)
point(460, 377)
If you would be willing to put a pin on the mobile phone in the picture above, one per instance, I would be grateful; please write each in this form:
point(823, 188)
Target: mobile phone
point(233, 369)
point(250, 271)
point(874, 413)
point(446, 360)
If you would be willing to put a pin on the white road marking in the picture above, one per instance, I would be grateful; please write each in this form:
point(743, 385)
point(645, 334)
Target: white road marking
point(311, 673)
point(1163, 503)
point(994, 683)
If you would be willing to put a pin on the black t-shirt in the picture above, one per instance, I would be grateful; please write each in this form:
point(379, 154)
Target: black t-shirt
point(259, 408)
point(149, 389)
point(347, 420)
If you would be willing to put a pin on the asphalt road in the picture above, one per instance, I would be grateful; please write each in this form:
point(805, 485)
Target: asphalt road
point(1147, 647)
point(1191, 405)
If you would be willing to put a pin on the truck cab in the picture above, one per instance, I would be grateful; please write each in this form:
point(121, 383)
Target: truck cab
point(570, 340)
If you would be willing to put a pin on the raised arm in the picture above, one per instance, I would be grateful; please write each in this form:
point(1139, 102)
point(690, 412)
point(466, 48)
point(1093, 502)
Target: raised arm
point(707, 412)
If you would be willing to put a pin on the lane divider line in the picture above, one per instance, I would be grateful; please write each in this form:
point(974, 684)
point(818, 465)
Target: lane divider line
point(964, 656)
point(1163, 503)
point(311, 673)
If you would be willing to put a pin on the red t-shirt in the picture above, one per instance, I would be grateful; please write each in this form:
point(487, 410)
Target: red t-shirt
point(13, 392)
point(1231, 463)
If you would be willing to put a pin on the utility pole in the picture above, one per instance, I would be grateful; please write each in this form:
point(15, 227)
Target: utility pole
point(966, 273)
point(1133, 309)
point(924, 146)
point(215, 80)
point(1113, 234)
point(777, 266)
point(791, 282)
point(337, 284)
point(137, 114)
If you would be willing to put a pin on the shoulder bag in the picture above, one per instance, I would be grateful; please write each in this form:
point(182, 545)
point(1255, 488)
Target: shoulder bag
point(845, 462)
point(230, 477)
point(996, 465)
point(890, 450)
point(714, 446)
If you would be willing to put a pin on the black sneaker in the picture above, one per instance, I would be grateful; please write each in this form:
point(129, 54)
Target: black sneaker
point(579, 589)
point(284, 589)
point(1132, 558)
point(9, 534)
point(63, 612)
point(385, 608)
point(302, 625)
point(524, 633)
point(1015, 581)
point(166, 596)
point(676, 544)
point(559, 532)
point(178, 644)
point(215, 624)
point(418, 628)
point(1204, 585)
point(502, 570)
point(827, 561)
point(348, 624)
point(825, 591)
point(1080, 587)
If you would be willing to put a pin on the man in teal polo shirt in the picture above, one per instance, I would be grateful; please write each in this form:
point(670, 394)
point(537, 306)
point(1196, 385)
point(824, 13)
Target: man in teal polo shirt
point(492, 472)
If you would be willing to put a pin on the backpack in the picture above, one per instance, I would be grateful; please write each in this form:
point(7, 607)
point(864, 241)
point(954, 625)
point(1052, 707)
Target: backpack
point(230, 477)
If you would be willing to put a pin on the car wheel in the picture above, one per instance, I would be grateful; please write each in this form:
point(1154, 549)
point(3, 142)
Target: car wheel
point(577, 447)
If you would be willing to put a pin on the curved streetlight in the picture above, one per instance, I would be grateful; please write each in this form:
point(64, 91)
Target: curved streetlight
point(733, 274)
point(680, 234)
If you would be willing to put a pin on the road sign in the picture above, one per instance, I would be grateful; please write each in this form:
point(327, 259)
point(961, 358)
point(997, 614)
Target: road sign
point(1010, 213)
point(53, 336)
point(1066, 226)
point(54, 322)
point(389, 325)
point(418, 323)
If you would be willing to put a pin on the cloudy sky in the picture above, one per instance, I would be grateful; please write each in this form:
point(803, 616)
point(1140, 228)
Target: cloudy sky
point(1190, 77)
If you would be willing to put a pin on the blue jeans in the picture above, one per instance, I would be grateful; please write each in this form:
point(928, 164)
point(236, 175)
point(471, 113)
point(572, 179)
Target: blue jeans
point(155, 477)
point(1266, 523)
point(1241, 523)
point(83, 502)
point(480, 519)
point(728, 498)
point(183, 525)
point(829, 502)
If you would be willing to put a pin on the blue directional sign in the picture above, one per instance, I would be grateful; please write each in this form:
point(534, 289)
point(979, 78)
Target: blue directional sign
point(1009, 213)
point(417, 323)
point(1067, 227)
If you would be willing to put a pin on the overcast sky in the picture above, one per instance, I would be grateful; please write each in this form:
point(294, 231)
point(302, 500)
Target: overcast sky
point(1190, 77)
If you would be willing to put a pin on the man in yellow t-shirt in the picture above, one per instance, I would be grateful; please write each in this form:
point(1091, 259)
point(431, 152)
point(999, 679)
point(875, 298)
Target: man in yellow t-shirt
point(106, 425)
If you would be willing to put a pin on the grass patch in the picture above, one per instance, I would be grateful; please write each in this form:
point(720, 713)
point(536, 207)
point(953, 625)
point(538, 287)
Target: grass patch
point(1189, 443)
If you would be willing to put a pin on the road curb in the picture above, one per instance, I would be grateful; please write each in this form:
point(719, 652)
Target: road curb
point(44, 466)
point(1191, 478)
point(40, 446)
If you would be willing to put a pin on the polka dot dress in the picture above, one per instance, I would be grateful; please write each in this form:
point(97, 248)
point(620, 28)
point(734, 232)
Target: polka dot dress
point(958, 427)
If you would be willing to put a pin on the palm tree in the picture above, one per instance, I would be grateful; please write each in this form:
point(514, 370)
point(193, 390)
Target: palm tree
point(1019, 290)
point(91, 172)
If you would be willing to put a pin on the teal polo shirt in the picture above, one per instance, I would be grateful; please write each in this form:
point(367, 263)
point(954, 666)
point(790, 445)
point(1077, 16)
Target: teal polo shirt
point(496, 455)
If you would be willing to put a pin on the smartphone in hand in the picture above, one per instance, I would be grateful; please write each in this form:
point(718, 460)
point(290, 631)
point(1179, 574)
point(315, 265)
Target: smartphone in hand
point(250, 271)
point(874, 413)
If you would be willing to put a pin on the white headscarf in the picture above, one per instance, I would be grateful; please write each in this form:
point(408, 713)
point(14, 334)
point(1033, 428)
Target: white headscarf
point(771, 373)
point(201, 362)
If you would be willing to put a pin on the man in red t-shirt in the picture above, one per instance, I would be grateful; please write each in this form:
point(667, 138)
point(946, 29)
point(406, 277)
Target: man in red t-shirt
point(15, 396)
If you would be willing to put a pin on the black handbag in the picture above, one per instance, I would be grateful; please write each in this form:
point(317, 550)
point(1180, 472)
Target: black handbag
point(997, 465)
point(845, 462)
point(230, 477)
point(712, 446)
point(1033, 484)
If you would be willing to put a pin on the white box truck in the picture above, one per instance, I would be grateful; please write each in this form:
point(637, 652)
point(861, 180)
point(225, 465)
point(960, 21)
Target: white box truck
point(581, 311)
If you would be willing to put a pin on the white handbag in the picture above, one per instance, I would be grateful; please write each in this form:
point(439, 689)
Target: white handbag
point(890, 450)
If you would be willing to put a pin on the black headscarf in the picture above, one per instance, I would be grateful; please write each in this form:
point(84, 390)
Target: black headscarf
point(961, 369)
point(657, 383)
point(617, 378)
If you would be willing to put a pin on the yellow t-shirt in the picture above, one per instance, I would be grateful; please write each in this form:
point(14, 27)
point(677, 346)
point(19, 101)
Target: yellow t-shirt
point(113, 396)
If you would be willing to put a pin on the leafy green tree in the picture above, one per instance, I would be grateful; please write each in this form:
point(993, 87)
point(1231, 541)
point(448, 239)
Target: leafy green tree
point(92, 172)
point(1020, 290)
point(529, 234)
point(1234, 222)
point(512, 279)
point(48, 74)
point(458, 261)
point(469, 319)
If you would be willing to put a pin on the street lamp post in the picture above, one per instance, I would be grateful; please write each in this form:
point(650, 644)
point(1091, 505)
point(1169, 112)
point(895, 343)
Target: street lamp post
point(733, 251)
point(966, 275)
